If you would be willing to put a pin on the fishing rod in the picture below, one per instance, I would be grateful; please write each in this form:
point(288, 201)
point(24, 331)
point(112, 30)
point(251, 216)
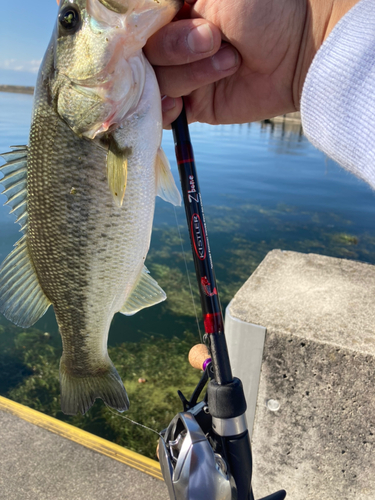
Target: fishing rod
point(205, 453)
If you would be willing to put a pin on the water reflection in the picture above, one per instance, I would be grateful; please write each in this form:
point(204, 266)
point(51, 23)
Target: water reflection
point(284, 129)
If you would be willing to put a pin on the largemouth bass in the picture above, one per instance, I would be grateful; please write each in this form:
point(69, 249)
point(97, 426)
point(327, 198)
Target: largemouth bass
point(84, 189)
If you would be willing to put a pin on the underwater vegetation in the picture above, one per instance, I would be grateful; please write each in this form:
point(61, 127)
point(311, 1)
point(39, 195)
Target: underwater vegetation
point(261, 191)
point(153, 365)
point(152, 369)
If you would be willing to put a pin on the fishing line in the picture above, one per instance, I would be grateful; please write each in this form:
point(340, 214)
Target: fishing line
point(136, 423)
point(188, 276)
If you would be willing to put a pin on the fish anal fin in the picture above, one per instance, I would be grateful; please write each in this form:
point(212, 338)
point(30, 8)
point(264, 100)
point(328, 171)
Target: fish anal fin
point(22, 299)
point(165, 185)
point(146, 293)
point(78, 393)
point(117, 171)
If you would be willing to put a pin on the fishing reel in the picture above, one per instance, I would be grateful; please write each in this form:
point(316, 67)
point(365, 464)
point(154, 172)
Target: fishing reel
point(195, 449)
point(191, 468)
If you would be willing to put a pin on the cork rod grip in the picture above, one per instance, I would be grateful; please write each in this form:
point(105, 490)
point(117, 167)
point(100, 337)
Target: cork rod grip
point(198, 356)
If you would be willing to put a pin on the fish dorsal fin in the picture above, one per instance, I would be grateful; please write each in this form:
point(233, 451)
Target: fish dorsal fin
point(117, 172)
point(14, 183)
point(165, 185)
point(22, 299)
point(145, 293)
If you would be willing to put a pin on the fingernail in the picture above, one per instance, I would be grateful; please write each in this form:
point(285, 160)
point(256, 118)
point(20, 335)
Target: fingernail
point(200, 39)
point(225, 59)
point(167, 103)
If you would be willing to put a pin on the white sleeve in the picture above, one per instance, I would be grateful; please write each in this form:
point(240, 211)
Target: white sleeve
point(338, 97)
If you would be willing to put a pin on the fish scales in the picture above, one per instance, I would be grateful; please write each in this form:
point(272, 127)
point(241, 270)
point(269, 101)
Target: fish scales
point(80, 271)
point(88, 231)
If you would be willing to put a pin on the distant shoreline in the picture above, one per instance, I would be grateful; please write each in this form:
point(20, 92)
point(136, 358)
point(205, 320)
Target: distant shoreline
point(17, 89)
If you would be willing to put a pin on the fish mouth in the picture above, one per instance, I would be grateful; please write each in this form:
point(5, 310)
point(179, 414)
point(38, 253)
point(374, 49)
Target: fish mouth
point(142, 17)
point(122, 6)
point(124, 27)
point(118, 7)
point(107, 83)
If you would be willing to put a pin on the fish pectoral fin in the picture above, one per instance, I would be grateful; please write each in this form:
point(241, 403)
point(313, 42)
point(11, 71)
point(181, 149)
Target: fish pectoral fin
point(165, 185)
point(117, 172)
point(145, 293)
point(78, 393)
point(14, 182)
point(22, 299)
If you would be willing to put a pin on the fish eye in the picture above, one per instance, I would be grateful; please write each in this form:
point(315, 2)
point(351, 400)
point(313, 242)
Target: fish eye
point(70, 19)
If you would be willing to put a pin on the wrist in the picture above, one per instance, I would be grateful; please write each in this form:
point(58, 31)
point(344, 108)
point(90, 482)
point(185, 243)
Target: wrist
point(339, 9)
point(321, 18)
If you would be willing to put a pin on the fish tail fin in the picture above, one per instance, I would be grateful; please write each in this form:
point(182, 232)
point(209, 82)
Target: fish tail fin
point(79, 393)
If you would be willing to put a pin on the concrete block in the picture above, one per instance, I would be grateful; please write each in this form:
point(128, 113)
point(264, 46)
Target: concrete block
point(314, 431)
point(246, 363)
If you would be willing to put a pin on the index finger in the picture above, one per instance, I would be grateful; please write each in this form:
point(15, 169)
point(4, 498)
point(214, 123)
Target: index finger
point(182, 42)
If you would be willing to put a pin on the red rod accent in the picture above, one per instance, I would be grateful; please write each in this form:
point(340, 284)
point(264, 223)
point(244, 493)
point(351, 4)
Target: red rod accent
point(189, 160)
point(213, 323)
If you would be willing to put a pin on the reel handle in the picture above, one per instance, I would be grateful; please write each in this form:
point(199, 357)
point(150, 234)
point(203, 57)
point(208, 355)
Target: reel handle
point(279, 495)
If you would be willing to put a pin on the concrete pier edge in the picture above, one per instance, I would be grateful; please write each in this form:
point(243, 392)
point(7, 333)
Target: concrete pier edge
point(86, 439)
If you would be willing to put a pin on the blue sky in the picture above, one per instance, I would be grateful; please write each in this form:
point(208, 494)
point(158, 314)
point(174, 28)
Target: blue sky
point(26, 27)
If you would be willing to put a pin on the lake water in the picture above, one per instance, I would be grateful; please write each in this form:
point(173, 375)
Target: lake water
point(263, 187)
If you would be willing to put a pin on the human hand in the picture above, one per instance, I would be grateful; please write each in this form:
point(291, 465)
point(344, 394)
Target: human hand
point(260, 70)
